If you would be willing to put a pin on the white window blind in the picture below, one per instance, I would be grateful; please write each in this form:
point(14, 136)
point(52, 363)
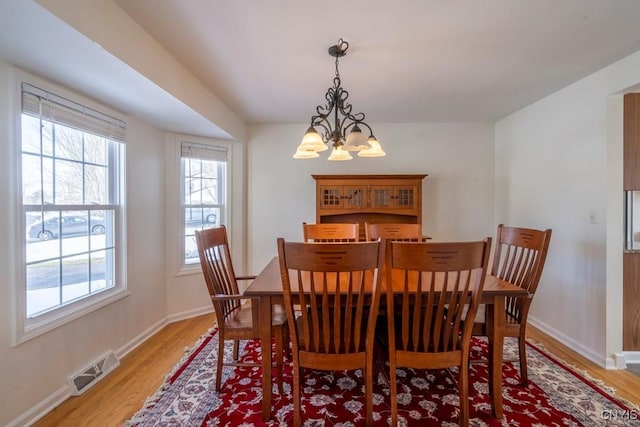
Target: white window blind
point(196, 150)
point(41, 103)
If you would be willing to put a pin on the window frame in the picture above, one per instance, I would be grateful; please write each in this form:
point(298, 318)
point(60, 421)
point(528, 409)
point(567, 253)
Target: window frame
point(184, 268)
point(26, 328)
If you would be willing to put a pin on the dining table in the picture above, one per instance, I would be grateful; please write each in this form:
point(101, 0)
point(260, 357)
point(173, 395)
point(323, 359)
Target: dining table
point(267, 287)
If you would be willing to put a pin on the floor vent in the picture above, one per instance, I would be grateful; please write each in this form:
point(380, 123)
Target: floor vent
point(93, 373)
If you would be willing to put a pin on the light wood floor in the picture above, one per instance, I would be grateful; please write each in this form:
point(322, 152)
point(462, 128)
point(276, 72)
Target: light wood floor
point(121, 394)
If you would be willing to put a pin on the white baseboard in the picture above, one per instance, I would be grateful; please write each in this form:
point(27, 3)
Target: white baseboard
point(149, 332)
point(190, 313)
point(584, 351)
point(140, 338)
point(45, 406)
point(628, 357)
point(616, 361)
point(632, 356)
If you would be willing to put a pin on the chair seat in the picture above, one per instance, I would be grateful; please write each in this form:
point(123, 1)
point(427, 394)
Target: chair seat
point(243, 317)
point(480, 316)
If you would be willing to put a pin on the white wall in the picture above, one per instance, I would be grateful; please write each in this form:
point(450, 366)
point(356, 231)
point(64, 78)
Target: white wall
point(457, 194)
point(557, 163)
point(35, 372)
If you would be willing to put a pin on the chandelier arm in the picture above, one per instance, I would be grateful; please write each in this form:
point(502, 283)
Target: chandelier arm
point(330, 97)
point(356, 119)
point(342, 107)
point(340, 100)
point(367, 126)
point(350, 125)
point(321, 119)
point(346, 108)
point(325, 111)
point(325, 125)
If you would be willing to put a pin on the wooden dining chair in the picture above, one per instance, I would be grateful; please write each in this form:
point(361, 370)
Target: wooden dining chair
point(425, 327)
point(393, 231)
point(331, 297)
point(236, 315)
point(519, 258)
point(331, 232)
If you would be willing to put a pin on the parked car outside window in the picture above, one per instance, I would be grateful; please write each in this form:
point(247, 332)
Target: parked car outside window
point(201, 215)
point(68, 225)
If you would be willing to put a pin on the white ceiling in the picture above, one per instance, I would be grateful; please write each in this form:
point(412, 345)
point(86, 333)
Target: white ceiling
point(408, 61)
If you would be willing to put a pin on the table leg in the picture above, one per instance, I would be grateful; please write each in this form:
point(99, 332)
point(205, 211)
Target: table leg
point(495, 323)
point(265, 344)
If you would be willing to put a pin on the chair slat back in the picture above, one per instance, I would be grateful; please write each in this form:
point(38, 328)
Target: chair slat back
point(336, 287)
point(423, 321)
point(394, 231)
point(519, 258)
point(217, 268)
point(331, 232)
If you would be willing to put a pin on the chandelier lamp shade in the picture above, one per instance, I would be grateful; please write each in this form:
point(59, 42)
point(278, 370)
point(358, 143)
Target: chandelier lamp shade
point(334, 124)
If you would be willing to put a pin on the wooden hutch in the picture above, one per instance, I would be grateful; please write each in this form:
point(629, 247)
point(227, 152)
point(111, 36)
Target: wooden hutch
point(371, 198)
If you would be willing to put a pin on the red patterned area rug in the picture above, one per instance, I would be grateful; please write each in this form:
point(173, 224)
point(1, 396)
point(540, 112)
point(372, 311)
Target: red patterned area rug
point(557, 395)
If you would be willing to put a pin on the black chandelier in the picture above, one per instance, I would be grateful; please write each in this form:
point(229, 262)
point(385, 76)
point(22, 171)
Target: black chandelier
point(337, 106)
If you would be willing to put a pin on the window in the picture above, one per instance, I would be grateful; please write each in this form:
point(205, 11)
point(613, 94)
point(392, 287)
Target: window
point(204, 181)
point(71, 157)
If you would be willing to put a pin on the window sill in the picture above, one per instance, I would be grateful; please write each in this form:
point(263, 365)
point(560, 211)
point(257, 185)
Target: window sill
point(189, 269)
point(40, 325)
